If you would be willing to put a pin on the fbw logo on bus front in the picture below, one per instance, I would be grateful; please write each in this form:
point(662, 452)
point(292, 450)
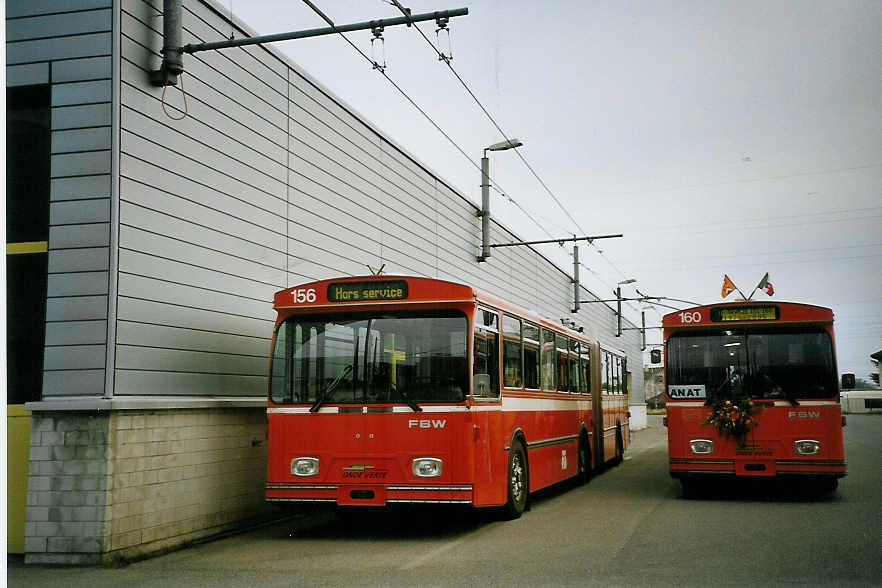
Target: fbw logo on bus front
point(426, 424)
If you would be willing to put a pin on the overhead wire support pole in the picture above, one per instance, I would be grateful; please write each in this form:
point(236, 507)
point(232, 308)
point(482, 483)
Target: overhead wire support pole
point(573, 239)
point(558, 241)
point(332, 30)
point(618, 311)
point(649, 299)
point(618, 300)
point(484, 213)
point(575, 277)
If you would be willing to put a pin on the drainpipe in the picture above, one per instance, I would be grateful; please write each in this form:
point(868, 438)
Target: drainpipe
point(172, 55)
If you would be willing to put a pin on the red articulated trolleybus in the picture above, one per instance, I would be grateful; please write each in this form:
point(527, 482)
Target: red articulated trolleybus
point(394, 389)
point(752, 390)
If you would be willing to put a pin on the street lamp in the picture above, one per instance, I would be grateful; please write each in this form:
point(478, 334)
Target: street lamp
point(619, 304)
point(485, 193)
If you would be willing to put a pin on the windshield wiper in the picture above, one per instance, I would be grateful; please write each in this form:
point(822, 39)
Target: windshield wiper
point(329, 391)
point(412, 404)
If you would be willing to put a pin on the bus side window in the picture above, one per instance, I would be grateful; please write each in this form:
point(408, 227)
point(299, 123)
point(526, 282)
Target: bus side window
point(573, 366)
point(562, 344)
point(485, 368)
point(618, 368)
point(531, 356)
point(280, 379)
point(512, 352)
point(548, 360)
point(604, 373)
point(585, 370)
point(617, 375)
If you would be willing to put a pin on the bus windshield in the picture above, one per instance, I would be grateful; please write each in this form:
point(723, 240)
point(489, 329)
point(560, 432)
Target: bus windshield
point(787, 364)
point(359, 358)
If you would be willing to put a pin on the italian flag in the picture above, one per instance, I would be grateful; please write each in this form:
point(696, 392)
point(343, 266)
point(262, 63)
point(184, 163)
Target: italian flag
point(766, 285)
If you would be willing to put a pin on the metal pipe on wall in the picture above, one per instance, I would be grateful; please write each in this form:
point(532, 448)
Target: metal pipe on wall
point(172, 57)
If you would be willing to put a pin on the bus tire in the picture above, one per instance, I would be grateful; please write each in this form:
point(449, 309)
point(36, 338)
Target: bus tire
point(620, 446)
point(517, 481)
point(691, 487)
point(584, 474)
point(823, 486)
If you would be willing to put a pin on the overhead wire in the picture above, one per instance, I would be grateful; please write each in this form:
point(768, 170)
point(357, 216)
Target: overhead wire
point(504, 135)
point(413, 103)
point(819, 172)
point(520, 155)
point(437, 127)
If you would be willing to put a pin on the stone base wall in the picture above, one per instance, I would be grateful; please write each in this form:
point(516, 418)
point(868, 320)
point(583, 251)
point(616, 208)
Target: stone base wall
point(126, 483)
point(67, 488)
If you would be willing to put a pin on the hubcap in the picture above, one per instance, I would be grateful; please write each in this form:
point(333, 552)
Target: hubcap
point(517, 477)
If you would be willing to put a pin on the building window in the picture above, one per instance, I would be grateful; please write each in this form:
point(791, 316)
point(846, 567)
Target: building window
point(28, 144)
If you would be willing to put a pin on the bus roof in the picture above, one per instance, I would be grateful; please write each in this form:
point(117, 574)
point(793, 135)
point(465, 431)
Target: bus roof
point(387, 290)
point(372, 290)
point(747, 312)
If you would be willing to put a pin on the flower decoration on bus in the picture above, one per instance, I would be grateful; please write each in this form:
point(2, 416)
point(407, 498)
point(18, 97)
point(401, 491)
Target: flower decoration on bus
point(734, 418)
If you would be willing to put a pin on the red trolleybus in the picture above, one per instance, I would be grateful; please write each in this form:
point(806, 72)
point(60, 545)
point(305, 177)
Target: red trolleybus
point(752, 391)
point(390, 389)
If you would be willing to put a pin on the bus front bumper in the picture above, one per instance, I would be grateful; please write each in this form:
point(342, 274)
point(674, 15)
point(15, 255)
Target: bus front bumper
point(369, 494)
point(756, 467)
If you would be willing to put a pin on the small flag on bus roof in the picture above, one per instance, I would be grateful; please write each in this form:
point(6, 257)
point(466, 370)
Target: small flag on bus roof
point(766, 285)
point(728, 286)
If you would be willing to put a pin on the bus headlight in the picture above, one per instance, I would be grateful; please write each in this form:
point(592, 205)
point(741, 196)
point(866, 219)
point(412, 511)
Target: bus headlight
point(304, 466)
point(807, 446)
point(427, 467)
point(701, 446)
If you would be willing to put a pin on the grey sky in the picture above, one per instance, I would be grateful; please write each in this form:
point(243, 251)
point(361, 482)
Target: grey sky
point(736, 137)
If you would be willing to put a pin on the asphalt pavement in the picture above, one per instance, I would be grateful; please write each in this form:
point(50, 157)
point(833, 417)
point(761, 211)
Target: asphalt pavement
point(629, 526)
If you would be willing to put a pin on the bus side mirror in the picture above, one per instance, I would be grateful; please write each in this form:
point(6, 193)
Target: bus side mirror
point(481, 385)
point(848, 381)
point(655, 356)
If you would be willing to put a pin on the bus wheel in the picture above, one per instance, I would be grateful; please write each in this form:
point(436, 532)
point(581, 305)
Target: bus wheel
point(517, 481)
point(691, 487)
point(584, 475)
point(620, 446)
point(823, 486)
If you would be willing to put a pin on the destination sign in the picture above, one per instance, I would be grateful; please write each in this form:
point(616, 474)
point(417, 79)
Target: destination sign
point(693, 392)
point(367, 291)
point(744, 313)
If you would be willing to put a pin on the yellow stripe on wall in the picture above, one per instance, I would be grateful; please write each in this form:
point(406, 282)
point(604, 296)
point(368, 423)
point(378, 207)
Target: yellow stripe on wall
point(27, 247)
point(18, 445)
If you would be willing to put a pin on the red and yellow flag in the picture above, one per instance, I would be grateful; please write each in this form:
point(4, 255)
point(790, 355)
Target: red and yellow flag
point(728, 286)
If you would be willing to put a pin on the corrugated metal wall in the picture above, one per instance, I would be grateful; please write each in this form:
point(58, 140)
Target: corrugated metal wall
point(268, 181)
point(68, 44)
